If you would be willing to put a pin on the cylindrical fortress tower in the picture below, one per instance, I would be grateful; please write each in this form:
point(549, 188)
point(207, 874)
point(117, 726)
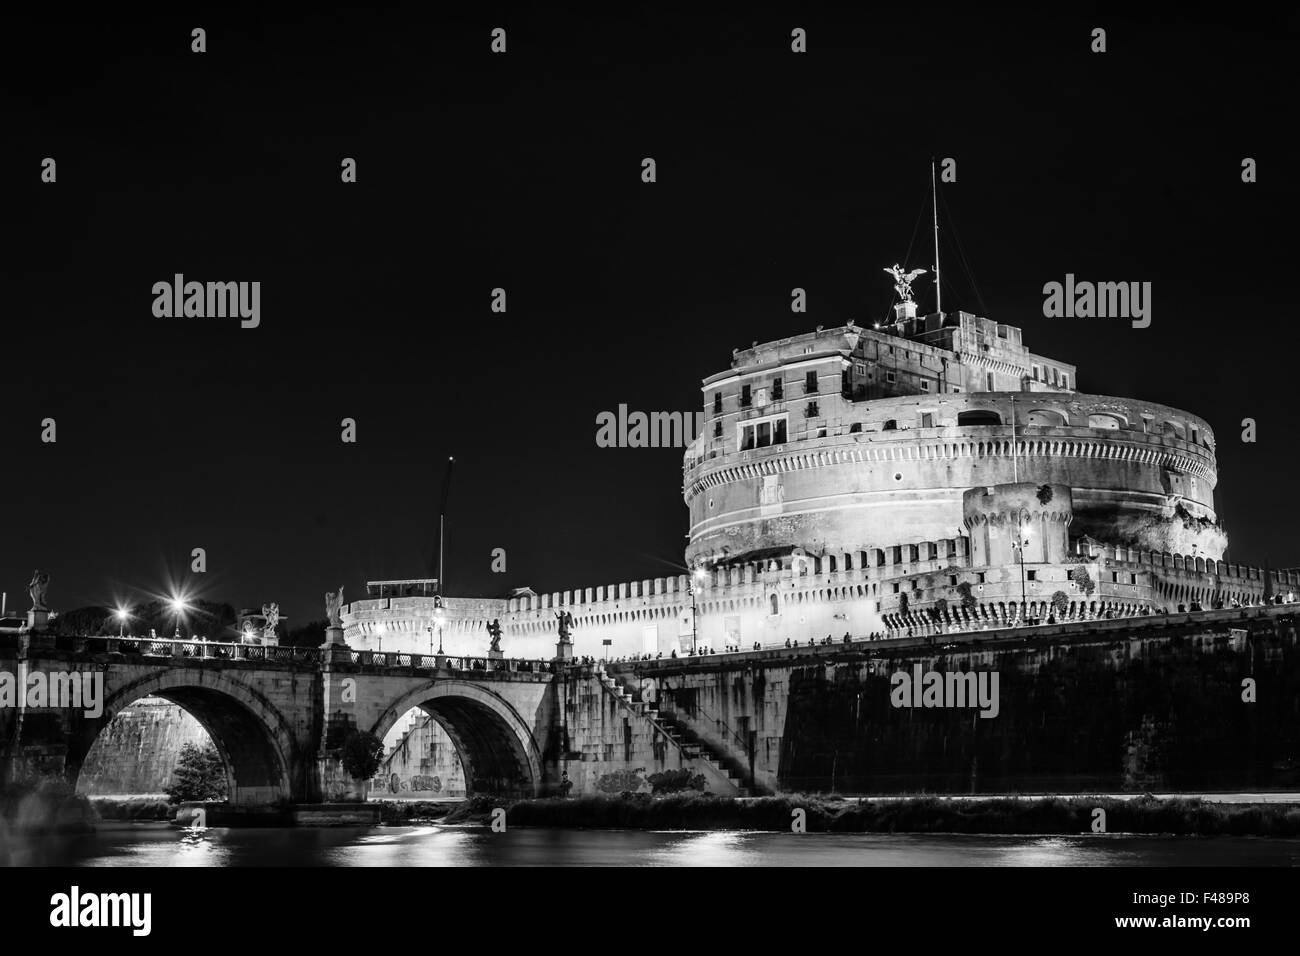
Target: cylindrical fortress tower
point(798, 451)
point(999, 518)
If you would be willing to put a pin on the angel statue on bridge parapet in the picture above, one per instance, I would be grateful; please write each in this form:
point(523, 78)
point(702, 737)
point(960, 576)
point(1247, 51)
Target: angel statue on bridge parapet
point(272, 614)
point(332, 601)
point(566, 626)
point(40, 584)
point(494, 632)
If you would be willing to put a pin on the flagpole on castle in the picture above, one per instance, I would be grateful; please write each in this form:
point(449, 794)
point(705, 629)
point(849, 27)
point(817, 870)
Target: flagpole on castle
point(934, 203)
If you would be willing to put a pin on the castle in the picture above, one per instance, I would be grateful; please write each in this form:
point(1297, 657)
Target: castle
point(928, 476)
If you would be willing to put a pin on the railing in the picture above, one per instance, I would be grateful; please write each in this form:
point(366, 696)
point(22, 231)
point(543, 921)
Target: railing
point(402, 659)
point(201, 650)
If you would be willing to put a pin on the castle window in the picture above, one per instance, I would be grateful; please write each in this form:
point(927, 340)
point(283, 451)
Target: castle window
point(744, 396)
point(1054, 379)
point(811, 411)
point(890, 425)
point(1031, 575)
point(896, 587)
point(717, 403)
point(1065, 381)
point(762, 433)
point(890, 377)
point(1036, 373)
point(810, 383)
point(990, 381)
point(777, 393)
point(925, 384)
point(980, 576)
point(952, 580)
point(956, 388)
point(927, 420)
point(775, 604)
point(979, 417)
point(855, 427)
point(717, 429)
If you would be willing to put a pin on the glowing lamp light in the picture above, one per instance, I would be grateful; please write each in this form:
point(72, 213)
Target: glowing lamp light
point(121, 614)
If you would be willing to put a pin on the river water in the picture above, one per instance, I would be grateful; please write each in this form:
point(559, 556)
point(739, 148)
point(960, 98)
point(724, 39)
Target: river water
point(160, 845)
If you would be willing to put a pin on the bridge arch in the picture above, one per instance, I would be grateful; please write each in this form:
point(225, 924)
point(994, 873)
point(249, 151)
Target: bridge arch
point(254, 740)
point(496, 747)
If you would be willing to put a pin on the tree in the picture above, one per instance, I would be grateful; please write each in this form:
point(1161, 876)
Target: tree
point(84, 622)
point(902, 604)
point(311, 634)
point(1044, 494)
point(361, 755)
point(1061, 602)
point(200, 774)
point(967, 598)
point(1083, 580)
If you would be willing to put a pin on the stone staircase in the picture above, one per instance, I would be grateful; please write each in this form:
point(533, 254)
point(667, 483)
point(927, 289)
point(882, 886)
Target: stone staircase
point(701, 757)
point(412, 725)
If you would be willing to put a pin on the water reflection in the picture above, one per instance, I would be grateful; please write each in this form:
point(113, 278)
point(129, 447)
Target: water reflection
point(153, 845)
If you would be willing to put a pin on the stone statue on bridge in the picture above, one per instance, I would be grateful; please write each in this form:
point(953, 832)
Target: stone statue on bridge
point(566, 626)
point(272, 614)
point(494, 632)
point(333, 599)
point(40, 584)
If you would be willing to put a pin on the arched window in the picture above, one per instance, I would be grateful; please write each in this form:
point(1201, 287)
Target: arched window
point(1105, 421)
point(1045, 416)
point(776, 604)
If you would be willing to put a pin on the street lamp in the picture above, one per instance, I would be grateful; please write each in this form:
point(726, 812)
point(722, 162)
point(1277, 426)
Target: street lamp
point(179, 607)
point(379, 630)
point(122, 614)
point(1022, 539)
point(439, 619)
point(698, 577)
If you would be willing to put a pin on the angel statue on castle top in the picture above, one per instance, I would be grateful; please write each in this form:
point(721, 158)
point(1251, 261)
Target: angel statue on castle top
point(903, 280)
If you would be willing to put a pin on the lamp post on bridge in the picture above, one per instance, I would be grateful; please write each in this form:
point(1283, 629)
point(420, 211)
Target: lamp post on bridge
point(1022, 539)
point(698, 577)
point(439, 619)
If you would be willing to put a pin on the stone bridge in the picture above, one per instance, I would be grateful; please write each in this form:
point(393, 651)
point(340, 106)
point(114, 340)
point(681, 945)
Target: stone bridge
point(279, 715)
point(1196, 702)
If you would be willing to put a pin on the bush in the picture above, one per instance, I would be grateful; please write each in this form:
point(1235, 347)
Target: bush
point(1083, 580)
point(362, 754)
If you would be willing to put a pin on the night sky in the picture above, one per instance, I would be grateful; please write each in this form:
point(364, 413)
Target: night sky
point(523, 171)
